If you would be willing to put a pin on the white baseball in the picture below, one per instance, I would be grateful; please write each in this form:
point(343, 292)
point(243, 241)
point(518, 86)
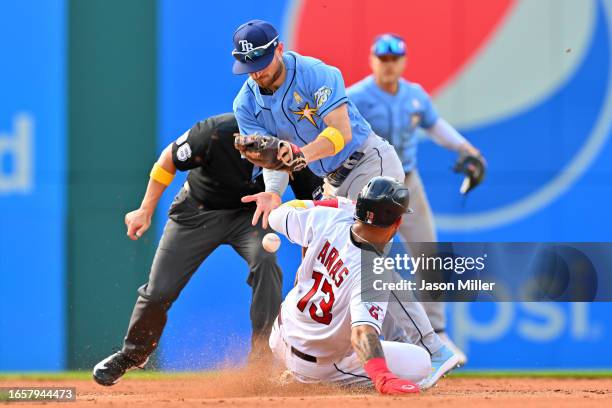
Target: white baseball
point(271, 242)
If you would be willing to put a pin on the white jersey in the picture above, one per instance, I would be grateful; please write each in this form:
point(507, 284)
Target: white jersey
point(318, 313)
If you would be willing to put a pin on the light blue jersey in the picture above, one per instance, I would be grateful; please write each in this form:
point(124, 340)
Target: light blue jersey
point(296, 110)
point(395, 117)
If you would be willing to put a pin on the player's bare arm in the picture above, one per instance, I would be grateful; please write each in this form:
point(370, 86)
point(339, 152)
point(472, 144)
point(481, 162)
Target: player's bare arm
point(366, 343)
point(333, 138)
point(445, 135)
point(139, 221)
point(271, 153)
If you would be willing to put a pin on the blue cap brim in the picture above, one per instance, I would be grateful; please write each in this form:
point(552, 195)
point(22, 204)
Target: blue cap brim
point(252, 66)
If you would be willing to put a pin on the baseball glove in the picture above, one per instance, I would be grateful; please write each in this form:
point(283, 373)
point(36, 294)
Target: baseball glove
point(270, 152)
point(474, 169)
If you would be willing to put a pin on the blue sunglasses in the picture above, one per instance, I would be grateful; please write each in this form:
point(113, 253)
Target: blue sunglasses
point(257, 52)
point(389, 45)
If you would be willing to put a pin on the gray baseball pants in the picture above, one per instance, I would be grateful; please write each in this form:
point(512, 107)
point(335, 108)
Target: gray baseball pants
point(190, 235)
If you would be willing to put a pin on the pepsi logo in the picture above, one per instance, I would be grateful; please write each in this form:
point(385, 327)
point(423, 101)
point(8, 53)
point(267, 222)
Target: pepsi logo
point(498, 71)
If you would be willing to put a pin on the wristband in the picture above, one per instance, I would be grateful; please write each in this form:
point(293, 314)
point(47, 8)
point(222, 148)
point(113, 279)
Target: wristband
point(333, 135)
point(161, 175)
point(375, 367)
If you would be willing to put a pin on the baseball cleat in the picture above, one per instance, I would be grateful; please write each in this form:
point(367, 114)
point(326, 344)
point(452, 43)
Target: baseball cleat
point(442, 362)
point(108, 371)
point(446, 340)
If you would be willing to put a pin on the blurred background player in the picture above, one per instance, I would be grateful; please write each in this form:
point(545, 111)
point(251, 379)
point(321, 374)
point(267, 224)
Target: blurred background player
point(396, 109)
point(328, 311)
point(206, 213)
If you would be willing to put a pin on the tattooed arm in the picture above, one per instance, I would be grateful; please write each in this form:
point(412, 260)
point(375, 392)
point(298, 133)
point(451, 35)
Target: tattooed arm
point(364, 339)
point(368, 347)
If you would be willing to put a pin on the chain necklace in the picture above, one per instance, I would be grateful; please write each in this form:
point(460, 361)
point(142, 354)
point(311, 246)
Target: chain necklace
point(365, 240)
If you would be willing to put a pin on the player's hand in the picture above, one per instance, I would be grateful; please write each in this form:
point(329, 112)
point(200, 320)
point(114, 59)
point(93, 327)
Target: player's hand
point(473, 165)
point(467, 149)
point(266, 202)
point(137, 222)
point(389, 383)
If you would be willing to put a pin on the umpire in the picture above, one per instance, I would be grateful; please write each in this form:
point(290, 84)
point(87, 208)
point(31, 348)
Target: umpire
point(206, 213)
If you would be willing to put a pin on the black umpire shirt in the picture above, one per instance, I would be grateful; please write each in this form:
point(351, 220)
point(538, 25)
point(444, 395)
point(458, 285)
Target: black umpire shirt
point(218, 176)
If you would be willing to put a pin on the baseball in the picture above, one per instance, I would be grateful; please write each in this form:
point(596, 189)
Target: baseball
point(271, 242)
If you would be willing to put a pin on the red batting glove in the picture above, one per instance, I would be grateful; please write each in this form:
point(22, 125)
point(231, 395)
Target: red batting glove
point(385, 381)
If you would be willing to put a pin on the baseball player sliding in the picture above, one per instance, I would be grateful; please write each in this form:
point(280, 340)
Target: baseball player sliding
point(293, 112)
point(329, 324)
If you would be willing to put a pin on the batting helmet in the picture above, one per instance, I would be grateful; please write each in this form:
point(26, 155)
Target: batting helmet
point(382, 201)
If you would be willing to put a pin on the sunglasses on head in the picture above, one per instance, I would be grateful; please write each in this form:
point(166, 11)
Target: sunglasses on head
point(388, 45)
point(256, 52)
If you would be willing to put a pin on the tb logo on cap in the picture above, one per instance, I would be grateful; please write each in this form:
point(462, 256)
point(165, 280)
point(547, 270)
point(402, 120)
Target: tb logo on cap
point(246, 46)
point(254, 45)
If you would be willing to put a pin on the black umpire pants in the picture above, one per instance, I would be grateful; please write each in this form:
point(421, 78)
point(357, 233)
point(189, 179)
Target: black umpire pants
point(190, 235)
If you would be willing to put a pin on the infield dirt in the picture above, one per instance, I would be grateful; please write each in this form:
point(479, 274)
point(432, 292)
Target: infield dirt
point(251, 389)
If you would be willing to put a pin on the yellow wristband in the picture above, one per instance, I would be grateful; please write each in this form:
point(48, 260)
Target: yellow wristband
point(161, 175)
point(333, 135)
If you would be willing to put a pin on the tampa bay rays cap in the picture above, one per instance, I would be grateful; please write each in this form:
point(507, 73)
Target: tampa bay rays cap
point(254, 45)
point(389, 44)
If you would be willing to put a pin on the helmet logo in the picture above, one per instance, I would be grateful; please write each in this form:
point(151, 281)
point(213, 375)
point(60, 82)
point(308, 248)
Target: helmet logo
point(369, 217)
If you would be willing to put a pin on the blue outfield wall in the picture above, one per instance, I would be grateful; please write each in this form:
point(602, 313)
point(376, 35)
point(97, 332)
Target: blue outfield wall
point(533, 335)
point(32, 185)
point(209, 323)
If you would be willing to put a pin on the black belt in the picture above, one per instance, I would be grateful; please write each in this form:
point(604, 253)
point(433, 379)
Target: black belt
point(303, 356)
point(336, 177)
